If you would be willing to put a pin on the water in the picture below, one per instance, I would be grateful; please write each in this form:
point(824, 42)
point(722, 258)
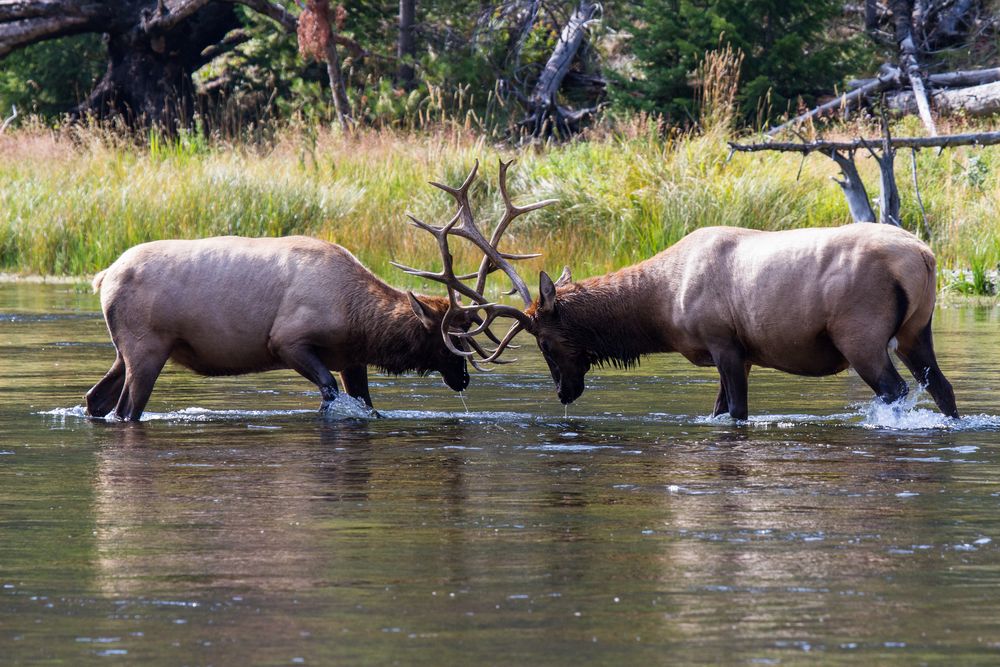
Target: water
point(236, 524)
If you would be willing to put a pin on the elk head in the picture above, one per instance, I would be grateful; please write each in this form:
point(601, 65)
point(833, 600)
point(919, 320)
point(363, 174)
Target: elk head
point(438, 357)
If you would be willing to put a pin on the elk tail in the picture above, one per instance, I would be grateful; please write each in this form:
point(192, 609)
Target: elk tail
point(98, 279)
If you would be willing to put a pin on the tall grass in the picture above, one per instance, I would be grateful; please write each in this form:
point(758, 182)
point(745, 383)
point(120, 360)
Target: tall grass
point(72, 200)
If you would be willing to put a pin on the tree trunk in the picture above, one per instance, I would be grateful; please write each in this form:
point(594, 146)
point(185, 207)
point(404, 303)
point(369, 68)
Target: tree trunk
point(154, 46)
point(406, 49)
point(338, 90)
point(544, 115)
point(148, 81)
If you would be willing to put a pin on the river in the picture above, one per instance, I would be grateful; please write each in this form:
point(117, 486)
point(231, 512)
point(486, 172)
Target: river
point(237, 525)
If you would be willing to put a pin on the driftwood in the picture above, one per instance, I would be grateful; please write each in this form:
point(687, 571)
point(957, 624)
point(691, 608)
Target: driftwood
point(973, 101)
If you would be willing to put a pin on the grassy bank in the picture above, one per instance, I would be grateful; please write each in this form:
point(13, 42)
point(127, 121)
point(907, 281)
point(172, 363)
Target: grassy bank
point(71, 201)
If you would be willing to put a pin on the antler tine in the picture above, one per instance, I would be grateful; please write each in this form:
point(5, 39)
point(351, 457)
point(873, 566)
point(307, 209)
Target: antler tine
point(511, 212)
point(488, 354)
point(511, 333)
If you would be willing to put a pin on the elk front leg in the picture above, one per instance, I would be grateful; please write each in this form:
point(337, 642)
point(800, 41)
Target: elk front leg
point(355, 381)
point(303, 359)
point(733, 389)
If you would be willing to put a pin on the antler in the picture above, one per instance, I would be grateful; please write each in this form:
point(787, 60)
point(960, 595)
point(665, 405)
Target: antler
point(464, 225)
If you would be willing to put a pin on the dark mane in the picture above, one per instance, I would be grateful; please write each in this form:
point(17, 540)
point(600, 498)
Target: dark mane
point(395, 341)
point(600, 316)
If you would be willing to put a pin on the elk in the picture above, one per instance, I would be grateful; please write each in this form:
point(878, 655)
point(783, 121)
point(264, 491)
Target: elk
point(808, 302)
point(232, 305)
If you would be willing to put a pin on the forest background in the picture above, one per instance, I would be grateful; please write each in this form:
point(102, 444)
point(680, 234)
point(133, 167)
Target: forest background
point(649, 100)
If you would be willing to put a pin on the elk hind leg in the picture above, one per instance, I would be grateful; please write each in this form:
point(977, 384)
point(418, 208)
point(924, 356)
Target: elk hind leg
point(142, 367)
point(875, 367)
point(103, 396)
point(917, 354)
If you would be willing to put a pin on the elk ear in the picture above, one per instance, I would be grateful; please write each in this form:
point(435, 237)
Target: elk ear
point(422, 312)
point(564, 277)
point(546, 294)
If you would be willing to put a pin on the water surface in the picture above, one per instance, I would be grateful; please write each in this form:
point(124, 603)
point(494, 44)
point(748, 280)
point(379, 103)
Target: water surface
point(236, 524)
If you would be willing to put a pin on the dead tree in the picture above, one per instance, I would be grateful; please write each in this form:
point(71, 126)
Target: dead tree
point(883, 150)
point(918, 30)
point(6, 123)
point(545, 115)
point(316, 32)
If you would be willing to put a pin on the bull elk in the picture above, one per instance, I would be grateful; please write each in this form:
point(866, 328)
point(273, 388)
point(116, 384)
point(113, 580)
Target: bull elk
point(808, 302)
point(231, 305)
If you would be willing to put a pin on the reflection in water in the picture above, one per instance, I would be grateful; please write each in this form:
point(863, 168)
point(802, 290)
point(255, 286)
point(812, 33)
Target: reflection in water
point(239, 525)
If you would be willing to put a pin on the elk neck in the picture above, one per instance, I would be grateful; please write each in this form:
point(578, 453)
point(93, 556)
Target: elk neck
point(392, 337)
point(614, 316)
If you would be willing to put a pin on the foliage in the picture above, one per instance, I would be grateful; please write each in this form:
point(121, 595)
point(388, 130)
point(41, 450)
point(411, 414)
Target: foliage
point(623, 195)
point(50, 78)
point(792, 49)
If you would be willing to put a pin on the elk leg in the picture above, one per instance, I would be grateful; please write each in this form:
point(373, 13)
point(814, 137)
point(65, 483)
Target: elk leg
point(139, 380)
point(355, 381)
point(721, 400)
point(303, 360)
point(879, 374)
point(102, 396)
point(733, 373)
point(920, 360)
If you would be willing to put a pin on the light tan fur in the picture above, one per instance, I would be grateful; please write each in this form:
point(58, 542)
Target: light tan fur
point(232, 305)
point(807, 301)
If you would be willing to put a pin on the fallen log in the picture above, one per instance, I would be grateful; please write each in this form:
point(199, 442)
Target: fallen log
point(973, 101)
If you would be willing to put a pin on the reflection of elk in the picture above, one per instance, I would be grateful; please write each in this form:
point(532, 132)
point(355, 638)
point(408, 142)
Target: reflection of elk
point(808, 302)
point(231, 305)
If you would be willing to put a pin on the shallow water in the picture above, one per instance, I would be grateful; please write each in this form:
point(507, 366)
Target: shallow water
point(237, 524)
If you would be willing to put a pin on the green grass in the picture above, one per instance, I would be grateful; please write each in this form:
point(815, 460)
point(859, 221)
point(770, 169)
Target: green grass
point(72, 200)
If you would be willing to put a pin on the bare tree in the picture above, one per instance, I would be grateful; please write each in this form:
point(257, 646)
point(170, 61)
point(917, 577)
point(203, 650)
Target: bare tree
point(919, 31)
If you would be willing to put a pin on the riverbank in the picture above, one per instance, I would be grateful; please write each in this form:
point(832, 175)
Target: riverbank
point(72, 201)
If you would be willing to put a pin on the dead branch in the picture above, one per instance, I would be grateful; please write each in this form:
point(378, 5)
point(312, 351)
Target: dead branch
point(853, 187)
point(946, 141)
point(910, 61)
point(889, 76)
point(9, 120)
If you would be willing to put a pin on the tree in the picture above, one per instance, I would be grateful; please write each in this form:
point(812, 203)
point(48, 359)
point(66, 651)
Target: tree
point(153, 47)
point(791, 51)
point(406, 49)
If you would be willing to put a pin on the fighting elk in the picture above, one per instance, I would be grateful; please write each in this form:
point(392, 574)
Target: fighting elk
point(808, 302)
point(232, 305)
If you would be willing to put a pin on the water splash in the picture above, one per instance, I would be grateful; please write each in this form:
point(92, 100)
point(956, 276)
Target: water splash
point(906, 414)
point(346, 407)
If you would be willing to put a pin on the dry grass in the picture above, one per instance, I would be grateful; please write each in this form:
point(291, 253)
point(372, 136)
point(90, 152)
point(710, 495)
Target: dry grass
point(72, 200)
